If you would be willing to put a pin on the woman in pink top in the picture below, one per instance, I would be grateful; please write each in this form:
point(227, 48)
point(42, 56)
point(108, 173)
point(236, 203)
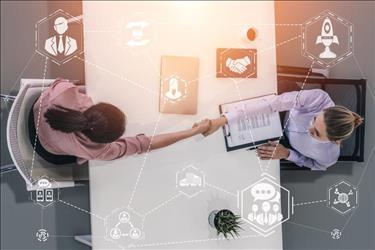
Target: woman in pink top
point(69, 123)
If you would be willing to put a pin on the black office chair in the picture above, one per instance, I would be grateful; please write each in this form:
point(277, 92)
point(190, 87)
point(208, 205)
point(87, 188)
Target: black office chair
point(345, 92)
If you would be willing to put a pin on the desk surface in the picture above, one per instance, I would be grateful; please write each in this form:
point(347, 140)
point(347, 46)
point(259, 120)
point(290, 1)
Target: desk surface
point(129, 79)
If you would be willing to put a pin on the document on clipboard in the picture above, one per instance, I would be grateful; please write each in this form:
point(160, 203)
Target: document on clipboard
point(253, 126)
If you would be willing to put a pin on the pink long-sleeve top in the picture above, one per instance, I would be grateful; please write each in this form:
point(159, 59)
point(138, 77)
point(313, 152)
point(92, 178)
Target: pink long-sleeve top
point(67, 95)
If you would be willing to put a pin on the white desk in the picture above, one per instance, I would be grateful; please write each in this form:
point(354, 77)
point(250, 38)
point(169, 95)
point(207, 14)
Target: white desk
point(186, 29)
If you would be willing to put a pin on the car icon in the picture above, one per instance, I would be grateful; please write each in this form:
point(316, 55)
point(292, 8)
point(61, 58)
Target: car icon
point(191, 180)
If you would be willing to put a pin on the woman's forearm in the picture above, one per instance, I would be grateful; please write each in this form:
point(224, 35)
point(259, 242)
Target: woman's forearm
point(163, 140)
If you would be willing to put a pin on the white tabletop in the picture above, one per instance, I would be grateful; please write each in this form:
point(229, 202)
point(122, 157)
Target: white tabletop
point(130, 80)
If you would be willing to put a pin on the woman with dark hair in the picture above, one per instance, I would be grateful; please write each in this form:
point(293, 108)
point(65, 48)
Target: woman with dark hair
point(315, 128)
point(67, 122)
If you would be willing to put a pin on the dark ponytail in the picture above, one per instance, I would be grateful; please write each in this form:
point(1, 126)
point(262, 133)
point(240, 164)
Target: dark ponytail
point(66, 120)
point(101, 123)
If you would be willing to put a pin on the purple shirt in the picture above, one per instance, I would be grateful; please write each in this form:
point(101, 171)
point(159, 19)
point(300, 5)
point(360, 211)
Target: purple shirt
point(307, 151)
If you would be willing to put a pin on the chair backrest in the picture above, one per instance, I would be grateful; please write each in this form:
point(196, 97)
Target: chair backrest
point(30, 165)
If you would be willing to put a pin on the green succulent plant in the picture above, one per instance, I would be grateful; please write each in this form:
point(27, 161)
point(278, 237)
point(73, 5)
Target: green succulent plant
point(227, 223)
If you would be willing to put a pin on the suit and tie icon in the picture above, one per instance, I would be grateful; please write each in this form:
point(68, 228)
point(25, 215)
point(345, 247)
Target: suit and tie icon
point(60, 44)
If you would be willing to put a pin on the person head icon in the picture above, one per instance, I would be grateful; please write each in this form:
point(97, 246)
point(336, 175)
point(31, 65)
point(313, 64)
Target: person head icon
point(173, 92)
point(135, 233)
point(61, 25)
point(266, 206)
point(115, 233)
point(123, 217)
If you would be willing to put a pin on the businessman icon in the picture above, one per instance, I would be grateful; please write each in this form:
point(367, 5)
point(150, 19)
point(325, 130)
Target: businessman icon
point(60, 44)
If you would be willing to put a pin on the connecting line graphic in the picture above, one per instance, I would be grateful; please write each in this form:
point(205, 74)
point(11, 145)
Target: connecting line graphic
point(155, 68)
point(162, 204)
point(156, 208)
point(363, 76)
point(240, 96)
point(270, 24)
point(347, 221)
point(277, 45)
point(121, 77)
point(290, 114)
point(23, 71)
point(247, 118)
point(38, 119)
point(221, 189)
point(309, 203)
point(100, 31)
point(144, 162)
point(358, 185)
point(269, 48)
point(42, 217)
point(80, 209)
point(309, 227)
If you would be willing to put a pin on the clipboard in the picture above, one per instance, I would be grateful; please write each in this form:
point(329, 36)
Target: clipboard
point(267, 123)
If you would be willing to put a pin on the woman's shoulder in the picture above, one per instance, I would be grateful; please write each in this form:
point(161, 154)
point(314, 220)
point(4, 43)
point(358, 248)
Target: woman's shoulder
point(332, 151)
point(59, 86)
point(68, 95)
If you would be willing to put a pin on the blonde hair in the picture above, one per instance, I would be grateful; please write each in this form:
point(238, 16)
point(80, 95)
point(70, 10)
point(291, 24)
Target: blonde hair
point(340, 122)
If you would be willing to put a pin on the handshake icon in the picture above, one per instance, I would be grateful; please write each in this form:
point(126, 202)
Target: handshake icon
point(239, 65)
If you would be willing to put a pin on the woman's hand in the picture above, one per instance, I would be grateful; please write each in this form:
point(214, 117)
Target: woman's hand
point(272, 150)
point(215, 125)
point(202, 126)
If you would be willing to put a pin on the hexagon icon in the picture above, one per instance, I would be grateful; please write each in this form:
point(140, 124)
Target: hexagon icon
point(342, 197)
point(59, 37)
point(236, 63)
point(261, 205)
point(327, 39)
point(136, 33)
point(46, 192)
point(174, 89)
point(124, 227)
point(190, 181)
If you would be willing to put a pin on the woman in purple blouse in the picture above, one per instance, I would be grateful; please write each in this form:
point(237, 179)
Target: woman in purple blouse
point(315, 128)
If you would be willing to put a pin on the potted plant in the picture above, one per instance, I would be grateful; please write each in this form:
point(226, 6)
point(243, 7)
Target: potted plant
point(225, 222)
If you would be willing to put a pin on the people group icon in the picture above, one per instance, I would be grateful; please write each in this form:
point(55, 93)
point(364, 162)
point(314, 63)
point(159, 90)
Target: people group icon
point(60, 44)
point(327, 38)
point(266, 214)
point(125, 228)
point(265, 205)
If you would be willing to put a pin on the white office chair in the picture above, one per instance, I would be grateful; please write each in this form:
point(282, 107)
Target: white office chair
point(21, 150)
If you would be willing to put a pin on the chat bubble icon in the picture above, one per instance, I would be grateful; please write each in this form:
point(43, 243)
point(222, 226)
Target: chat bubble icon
point(263, 191)
point(44, 183)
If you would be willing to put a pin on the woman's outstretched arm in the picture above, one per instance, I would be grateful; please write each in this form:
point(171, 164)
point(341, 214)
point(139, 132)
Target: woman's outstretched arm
point(163, 140)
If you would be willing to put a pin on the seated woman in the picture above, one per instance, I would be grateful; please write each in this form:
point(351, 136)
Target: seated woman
point(69, 123)
point(314, 126)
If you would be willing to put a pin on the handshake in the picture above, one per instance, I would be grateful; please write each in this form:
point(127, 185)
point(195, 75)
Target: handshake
point(239, 65)
point(207, 126)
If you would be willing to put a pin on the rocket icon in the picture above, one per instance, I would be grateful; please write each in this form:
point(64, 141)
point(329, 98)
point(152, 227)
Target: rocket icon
point(327, 38)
